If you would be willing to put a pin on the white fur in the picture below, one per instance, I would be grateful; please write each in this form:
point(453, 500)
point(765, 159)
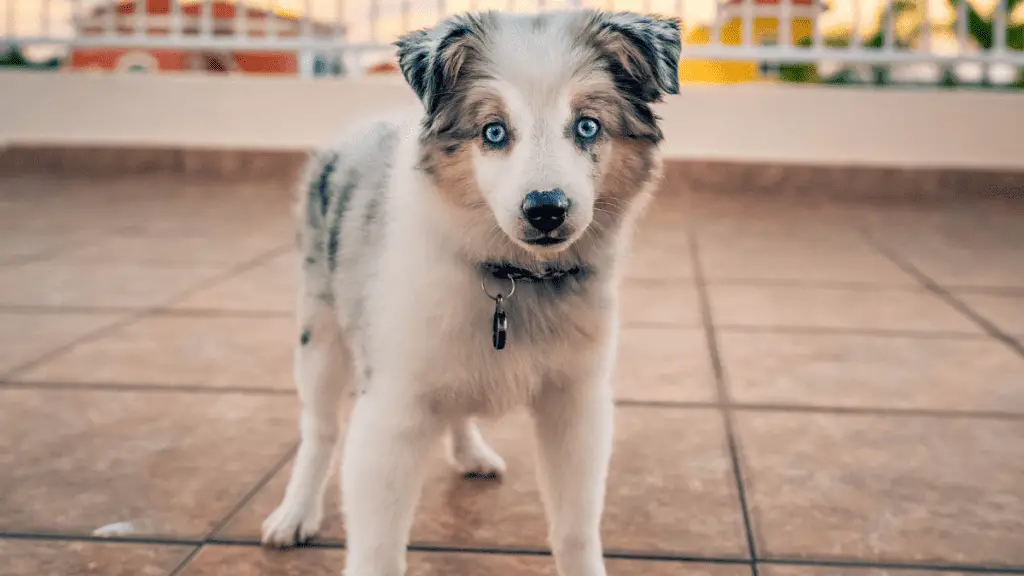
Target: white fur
point(402, 320)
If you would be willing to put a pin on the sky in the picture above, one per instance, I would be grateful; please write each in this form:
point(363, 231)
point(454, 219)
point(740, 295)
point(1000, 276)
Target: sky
point(27, 17)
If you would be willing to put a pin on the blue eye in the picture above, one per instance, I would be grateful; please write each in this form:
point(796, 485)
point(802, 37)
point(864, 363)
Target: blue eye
point(587, 128)
point(495, 134)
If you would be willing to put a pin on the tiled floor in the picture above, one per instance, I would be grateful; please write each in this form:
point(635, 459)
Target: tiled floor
point(826, 390)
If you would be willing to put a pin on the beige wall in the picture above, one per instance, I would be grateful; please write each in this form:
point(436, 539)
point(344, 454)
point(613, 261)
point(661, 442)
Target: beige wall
point(774, 123)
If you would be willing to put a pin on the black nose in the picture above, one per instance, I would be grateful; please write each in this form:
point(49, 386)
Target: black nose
point(545, 209)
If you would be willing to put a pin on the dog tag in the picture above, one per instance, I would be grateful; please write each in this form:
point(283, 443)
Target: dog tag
point(499, 327)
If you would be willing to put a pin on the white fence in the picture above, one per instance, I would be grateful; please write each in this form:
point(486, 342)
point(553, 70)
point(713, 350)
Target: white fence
point(928, 37)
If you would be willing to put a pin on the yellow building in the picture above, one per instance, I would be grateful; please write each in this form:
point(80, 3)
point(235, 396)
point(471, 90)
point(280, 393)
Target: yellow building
point(729, 20)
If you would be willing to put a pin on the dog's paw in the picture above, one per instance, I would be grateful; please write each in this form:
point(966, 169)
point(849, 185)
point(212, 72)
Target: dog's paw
point(290, 525)
point(480, 463)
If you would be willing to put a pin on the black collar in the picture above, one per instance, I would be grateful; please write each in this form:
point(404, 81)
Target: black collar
point(507, 271)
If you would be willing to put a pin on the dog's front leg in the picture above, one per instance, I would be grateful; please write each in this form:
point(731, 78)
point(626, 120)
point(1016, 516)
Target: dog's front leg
point(574, 433)
point(389, 438)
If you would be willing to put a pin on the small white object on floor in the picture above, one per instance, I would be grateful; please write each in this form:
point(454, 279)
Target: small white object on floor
point(115, 529)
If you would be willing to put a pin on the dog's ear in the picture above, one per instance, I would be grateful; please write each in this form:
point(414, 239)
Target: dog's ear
point(433, 60)
point(644, 51)
point(414, 59)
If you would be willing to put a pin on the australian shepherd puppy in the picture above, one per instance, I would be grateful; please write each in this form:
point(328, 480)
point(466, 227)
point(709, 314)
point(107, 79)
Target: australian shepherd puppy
point(464, 259)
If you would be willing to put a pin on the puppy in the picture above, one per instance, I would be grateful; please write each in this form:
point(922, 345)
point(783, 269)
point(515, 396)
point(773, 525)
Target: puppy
point(463, 260)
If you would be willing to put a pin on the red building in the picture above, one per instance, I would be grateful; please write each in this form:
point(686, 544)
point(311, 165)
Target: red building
point(162, 15)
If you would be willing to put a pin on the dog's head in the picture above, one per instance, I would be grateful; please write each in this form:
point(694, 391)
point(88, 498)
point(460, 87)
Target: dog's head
point(543, 119)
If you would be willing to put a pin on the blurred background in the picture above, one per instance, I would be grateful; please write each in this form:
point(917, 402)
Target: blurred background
point(927, 42)
point(821, 363)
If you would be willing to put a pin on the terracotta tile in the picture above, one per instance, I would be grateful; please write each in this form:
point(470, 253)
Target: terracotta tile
point(656, 491)
point(249, 561)
point(784, 224)
point(273, 286)
point(664, 364)
point(1005, 311)
point(664, 303)
point(26, 336)
point(245, 524)
point(659, 253)
point(966, 267)
point(48, 558)
point(962, 246)
point(45, 284)
point(835, 308)
point(872, 371)
point(169, 464)
point(746, 258)
point(782, 570)
point(143, 250)
point(19, 247)
point(900, 489)
point(249, 352)
point(670, 490)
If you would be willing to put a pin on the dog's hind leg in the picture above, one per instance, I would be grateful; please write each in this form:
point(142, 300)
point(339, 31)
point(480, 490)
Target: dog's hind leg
point(322, 369)
point(470, 454)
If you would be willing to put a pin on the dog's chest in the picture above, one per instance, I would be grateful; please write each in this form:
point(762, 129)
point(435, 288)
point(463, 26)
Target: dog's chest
point(548, 338)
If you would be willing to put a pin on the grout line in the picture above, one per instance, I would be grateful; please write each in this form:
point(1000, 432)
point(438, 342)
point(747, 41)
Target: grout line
point(815, 409)
point(139, 387)
point(620, 403)
point(88, 336)
point(884, 565)
point(87, 241)
point(855, 285)
point(246, 498)
point(99, 310)
point(865, 285)
point(608, 554)
point(723, 397)
point(70, 537)
point(142, 313)
point(613, 554)
point(858, 286)
point(833, 331)
point(186, 561)
point(645, 325)
point(143, 387)
point(267, 477)
point(1004, 291)
point(222, 313)
point(944, 294)
point(810, 330)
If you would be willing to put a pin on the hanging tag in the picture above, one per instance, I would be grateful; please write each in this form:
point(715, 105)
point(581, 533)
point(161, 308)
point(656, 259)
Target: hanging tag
point(499, 326)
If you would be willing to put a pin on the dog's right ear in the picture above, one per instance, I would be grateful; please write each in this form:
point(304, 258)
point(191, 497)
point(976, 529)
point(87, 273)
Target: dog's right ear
point(414, 59)
point(433, 60)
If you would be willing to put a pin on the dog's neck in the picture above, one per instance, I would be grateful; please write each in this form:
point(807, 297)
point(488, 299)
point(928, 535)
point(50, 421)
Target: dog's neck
point(543, 273)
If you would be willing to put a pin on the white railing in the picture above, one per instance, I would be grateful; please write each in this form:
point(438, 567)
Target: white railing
point(934, 33)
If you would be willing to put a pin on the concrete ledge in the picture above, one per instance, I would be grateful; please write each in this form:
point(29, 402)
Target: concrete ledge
point(841, 182)
point(681, 176)
point(112, 161)
point(760, 123)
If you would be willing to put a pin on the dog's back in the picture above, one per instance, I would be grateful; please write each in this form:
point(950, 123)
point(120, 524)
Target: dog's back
point(342, 201)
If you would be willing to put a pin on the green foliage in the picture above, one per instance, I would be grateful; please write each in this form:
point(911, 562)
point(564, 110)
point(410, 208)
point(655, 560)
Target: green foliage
point(846, 75)
point(14, 58)
point(983, 30)
point(800, 72)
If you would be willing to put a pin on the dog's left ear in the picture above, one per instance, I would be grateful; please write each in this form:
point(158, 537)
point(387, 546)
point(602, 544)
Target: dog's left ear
point(644, 49)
